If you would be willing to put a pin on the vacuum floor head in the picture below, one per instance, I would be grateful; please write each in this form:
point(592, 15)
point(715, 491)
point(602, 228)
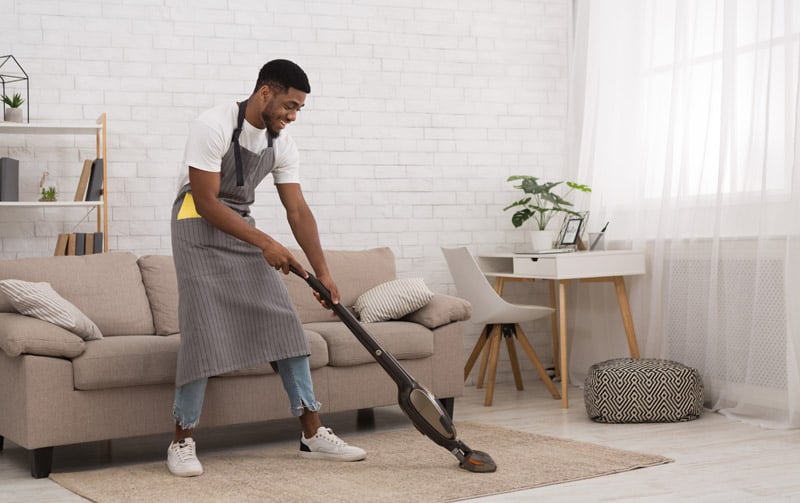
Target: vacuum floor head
point(478, 462)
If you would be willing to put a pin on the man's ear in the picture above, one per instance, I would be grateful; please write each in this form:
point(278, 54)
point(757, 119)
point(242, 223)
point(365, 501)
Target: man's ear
point(265, 92)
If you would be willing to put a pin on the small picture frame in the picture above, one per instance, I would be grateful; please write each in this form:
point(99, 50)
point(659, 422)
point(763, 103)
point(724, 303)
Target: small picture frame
point(572, 230)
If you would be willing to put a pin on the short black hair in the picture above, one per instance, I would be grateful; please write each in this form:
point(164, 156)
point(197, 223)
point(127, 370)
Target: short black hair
point(281, 74)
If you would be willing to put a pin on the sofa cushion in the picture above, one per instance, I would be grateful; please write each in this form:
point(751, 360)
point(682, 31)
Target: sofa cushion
point(22, 334)
point(134, 360)
point(40, 301)
point(161, 286)
point(318, 358)
point(404, 340)
point(392, 300)
point(106, 287)
point(441, 310)
point(355, 272)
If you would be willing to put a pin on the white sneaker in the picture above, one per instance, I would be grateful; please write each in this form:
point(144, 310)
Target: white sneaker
point(182, 460)
point(326, 445)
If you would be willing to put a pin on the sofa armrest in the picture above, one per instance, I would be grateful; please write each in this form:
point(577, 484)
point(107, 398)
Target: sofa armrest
point(22, 334)
point(441, 310)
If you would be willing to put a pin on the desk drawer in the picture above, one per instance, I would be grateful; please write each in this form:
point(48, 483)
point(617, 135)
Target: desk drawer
point(540, 267)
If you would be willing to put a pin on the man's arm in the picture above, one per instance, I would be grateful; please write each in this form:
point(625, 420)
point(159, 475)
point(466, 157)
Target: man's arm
point(304, 228)
point(205, 189)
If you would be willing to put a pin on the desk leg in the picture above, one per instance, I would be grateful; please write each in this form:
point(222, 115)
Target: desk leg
point(554, 327)
point(562, 344)
point(627, 319)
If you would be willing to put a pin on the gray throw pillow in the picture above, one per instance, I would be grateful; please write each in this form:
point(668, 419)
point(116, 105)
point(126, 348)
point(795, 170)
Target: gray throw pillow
point(392, 300)
point(40, 301)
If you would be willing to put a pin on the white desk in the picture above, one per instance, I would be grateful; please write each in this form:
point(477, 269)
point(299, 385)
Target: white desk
point(598, 266)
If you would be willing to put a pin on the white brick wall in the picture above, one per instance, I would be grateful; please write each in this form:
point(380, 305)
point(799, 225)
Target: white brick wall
point(419, 111)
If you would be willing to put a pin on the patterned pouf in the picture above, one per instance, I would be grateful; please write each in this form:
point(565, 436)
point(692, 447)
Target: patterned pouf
point(629, 390)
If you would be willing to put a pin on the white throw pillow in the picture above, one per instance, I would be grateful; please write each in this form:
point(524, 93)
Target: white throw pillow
point(40, 301)
point(392, 300)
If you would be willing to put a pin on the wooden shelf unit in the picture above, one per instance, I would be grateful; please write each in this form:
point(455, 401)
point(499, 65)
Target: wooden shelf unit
point(99, 130)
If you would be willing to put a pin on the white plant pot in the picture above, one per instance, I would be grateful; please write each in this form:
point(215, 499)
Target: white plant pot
point(542, 240)
point(13, 114)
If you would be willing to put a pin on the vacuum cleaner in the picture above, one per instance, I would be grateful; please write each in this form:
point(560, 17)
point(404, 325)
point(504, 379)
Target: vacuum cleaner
point(419, 404)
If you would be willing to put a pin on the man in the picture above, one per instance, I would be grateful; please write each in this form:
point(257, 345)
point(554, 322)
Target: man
point(234, 309)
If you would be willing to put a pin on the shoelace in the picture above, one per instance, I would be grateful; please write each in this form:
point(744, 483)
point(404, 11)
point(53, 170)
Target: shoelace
point(185, 451)
point(332, 438)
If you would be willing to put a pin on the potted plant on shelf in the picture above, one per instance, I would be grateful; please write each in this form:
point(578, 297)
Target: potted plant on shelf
point(13, 113)
point(543, 201)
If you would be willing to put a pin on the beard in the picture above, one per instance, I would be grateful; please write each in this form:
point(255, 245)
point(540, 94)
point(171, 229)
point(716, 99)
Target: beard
point(268, 121)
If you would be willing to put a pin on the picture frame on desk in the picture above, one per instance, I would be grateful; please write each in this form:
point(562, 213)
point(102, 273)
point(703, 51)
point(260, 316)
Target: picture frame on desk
point(572, 229)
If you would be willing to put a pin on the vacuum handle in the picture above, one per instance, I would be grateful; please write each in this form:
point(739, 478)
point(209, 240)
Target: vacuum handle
point(314, 283)
point(387, 361)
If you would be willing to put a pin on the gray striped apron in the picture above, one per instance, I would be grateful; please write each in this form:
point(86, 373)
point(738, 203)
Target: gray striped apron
point(234, 309)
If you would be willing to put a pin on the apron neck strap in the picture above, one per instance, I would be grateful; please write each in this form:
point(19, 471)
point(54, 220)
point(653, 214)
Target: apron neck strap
point(237, 149)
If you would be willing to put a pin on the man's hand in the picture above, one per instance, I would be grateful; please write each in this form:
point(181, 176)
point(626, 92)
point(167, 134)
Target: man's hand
point(331, 286)
point(280, 258)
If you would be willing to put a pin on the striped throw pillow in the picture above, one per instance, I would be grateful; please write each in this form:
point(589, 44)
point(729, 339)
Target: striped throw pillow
point(39, 300)
point(392, 300)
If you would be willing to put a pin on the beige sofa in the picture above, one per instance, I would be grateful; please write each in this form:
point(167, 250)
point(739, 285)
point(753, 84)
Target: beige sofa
point(57, 389)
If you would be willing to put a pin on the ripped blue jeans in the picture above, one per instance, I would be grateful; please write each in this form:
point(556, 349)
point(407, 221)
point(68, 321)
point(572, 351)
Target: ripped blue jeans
point(295, 374)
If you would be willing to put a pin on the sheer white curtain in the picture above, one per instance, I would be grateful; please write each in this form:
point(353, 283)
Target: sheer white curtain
point(684, 117)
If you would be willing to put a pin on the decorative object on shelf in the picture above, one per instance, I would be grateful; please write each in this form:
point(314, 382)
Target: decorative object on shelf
point(13, 112)
point(9, 74)
point(48, 192)
point(541, 203)
point(9, 179)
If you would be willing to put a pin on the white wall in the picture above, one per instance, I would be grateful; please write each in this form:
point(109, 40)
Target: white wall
point(419, 111)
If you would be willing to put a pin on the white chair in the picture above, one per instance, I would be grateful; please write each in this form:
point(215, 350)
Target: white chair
point(500, 319)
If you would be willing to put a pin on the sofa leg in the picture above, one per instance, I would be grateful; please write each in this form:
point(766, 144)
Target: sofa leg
point(41, 462)
point(365, 419)
point(448, 404)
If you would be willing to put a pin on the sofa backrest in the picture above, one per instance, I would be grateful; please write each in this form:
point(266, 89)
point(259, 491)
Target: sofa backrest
point(106, 287)
point(355, 272)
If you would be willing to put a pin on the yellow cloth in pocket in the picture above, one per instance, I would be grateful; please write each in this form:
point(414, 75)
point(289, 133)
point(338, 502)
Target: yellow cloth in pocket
point(187, 208)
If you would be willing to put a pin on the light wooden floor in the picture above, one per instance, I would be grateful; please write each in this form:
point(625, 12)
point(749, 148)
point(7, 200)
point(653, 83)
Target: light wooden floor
point(716, 459)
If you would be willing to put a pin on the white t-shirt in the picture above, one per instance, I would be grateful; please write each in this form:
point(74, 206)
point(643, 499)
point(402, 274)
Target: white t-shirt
point(210, 137)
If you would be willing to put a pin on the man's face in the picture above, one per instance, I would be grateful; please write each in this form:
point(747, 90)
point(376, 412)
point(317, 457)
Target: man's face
point(280, 109)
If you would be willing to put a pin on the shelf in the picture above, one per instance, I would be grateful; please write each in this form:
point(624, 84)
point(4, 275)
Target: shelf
point(99, 131)
point(32, 204)
point(45, 128)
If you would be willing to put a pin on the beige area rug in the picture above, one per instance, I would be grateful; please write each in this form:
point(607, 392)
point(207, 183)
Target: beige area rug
point(401, 465)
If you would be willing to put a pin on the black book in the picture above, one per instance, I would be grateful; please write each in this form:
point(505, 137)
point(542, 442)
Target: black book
point(98, 242)
point(80, 243)
point(9, 179)
point(95, 187)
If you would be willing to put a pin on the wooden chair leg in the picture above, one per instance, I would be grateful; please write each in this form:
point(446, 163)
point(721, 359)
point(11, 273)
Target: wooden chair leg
point(479, 344)
point(523, 341)
point(512, 356)
point(485, 359)
point(494, 350)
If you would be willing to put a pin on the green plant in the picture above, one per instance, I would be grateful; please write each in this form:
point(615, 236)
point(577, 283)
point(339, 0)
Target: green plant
point(48, 193)
point(543, 201)
point(14, 102)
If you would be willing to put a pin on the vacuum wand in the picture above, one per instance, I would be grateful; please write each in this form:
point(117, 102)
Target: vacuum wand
point(422, 408)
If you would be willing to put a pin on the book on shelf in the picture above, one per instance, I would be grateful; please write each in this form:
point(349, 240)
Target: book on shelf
point(9, 179)
point(79, 243)
point(71, 242)
point(61, 244)
point(98, 242)
point(83, 181)
point(89, 243)
point(94, 189)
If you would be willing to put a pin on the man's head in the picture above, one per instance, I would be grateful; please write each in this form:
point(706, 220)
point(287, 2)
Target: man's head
point(281, 89)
